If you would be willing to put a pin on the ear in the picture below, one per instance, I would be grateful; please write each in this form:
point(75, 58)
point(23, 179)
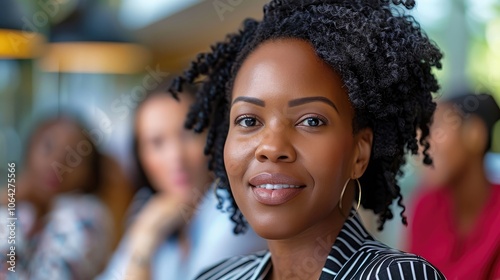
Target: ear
point(474, 135)
point(362, 152)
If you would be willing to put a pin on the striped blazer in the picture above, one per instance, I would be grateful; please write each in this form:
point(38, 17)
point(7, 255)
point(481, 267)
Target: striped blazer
point(354, 255)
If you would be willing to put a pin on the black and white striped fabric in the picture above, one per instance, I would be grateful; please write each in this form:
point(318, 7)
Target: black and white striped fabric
point(354, 255)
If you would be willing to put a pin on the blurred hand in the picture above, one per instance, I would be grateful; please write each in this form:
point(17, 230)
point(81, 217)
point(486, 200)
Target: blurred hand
point(160, 217)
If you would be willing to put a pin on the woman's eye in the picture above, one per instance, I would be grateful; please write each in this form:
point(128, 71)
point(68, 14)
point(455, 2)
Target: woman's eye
point(48, 146)
point(157, 142)
point(247, 121)
point(312, 121)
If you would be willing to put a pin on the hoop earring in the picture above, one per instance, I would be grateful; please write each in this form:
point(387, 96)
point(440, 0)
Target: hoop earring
point(342, 196)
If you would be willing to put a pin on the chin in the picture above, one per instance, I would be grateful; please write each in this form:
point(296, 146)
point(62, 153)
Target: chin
point(52, 188)
point(272, 233)
point(275, 228)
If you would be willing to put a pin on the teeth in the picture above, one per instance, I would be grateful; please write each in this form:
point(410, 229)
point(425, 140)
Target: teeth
point(277, 186)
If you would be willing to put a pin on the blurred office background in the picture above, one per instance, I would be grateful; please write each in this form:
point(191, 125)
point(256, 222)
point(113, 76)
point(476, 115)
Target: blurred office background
point(99, 57)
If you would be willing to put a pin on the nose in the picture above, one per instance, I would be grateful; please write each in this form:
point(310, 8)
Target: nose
point(275, 147)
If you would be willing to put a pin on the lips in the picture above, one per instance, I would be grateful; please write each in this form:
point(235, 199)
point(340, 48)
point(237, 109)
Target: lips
point(275, 189)
point(274, 179)
point(51, 181)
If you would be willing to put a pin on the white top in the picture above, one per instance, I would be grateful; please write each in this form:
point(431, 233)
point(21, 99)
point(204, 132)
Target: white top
point(211, 240)
point(73, 243)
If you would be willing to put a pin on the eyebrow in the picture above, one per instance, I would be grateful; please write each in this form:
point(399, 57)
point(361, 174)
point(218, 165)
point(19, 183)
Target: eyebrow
point(292, 103)
point(301, 101)
point(252, 100)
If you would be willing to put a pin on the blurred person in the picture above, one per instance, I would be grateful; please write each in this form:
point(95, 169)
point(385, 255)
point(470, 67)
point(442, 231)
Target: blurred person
point(62, 228)
point(174, 230)
point(456, 223)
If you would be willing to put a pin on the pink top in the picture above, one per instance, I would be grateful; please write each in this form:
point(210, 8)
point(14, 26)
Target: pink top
point(433, 236)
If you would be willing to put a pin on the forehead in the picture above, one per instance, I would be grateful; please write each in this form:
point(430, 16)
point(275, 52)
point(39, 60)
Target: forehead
point(163, 111)
point(62, 128)
point(287, 65)
point(446, 113)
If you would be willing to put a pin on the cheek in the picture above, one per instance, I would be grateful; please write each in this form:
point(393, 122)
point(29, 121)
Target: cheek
point(38, 161)
point(155, 167)
point(78, 177)
point(328, 164)
point(197, 164)
point(151, 161)
point(327, 159)
point(448, 156)
point(196, 161)
point(195, 155)
point(238, 154)
point(37, 164)
point(448, 150)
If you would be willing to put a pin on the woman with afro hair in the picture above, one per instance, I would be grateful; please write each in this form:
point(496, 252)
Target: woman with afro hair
point(310, 113)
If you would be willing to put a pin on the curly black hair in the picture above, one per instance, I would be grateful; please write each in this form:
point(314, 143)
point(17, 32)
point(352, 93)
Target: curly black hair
point(383, 57)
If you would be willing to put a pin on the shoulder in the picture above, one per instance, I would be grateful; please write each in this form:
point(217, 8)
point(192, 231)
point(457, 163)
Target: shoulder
point(495, 196)
point(82, 205)
point(428, 202)
point(239, 267)
point(382, 262)
point(496, 190)
point(75, 212)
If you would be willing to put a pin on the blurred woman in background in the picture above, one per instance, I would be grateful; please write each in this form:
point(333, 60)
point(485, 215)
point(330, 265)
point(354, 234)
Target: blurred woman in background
point(456, 221)
point(175, 230)
point(63, 230)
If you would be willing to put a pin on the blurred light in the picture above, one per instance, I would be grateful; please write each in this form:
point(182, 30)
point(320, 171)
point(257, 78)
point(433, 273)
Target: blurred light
point(16, 43)
point(10, 74)
point(432, 13)
point(493, 36)
point(481, 11)
point(137, 14)
point(91, 40)
point(493, 167)
point(94, 57)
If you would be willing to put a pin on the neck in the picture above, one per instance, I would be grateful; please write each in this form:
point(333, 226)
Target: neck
point(304, 255)
point(184, 242)
point(470, 192)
